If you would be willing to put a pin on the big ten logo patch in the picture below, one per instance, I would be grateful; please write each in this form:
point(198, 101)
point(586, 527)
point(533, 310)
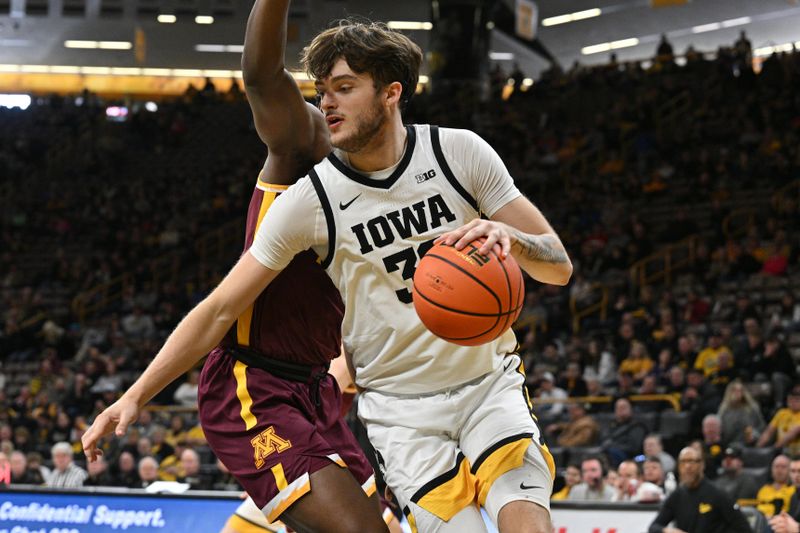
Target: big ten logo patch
point(266, 443)
point(425, 176)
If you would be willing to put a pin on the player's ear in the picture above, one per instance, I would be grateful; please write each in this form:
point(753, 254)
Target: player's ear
point(393, 93)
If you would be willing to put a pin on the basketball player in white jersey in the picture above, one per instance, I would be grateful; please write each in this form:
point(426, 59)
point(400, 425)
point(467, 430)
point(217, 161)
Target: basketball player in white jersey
point(452, 425)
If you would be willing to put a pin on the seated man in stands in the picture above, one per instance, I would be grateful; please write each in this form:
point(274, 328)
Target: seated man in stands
point(653, 447)
point(734, 481)
point(594, 486)
point(785, 425)
point(773, 497)
point(190, 461)
point(632, 488)
point(789, 522)
point(580, 430)
point(625, 437)
point(712, 445)
point(653, 471)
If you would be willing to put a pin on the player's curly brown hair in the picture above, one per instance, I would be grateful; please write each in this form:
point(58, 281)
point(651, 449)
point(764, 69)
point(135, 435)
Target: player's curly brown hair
point(368, 47)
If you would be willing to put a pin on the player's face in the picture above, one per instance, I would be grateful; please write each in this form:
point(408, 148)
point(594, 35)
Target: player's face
point(352, 106)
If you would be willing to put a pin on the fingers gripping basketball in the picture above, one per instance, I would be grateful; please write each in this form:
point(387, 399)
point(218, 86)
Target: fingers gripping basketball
point(465, 297)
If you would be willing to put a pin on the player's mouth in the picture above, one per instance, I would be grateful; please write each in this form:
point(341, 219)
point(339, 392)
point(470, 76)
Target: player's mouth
point(334, 121)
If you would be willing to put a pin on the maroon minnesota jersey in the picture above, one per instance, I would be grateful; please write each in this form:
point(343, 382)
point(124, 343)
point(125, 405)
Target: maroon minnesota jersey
point(298, 317)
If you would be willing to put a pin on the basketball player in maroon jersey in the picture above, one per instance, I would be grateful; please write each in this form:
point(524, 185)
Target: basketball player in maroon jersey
point(268, 407)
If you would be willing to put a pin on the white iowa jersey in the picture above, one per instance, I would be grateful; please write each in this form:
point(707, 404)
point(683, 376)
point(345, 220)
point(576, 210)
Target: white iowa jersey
point(377, 231)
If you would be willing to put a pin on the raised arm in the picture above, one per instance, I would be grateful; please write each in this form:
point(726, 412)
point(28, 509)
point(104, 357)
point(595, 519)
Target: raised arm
point(282, 117)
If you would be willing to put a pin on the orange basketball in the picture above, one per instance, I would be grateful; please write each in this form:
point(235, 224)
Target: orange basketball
point(465, 297)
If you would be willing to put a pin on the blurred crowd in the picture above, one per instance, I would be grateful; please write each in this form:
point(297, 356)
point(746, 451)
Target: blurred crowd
point(624, 159)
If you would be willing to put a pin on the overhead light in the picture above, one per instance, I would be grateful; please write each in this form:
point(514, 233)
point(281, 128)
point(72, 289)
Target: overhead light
point(11, 101)
point(234, 48)
point(501, 56)
point(736, 22)
point(706, 27)
point(423, 79)
point(409, 25)
point(527, 82)
point(9, 68)
point(115, 45)
point(572, 17)
point(613, 45)
point(151, 106)
point(595, 48)
point(156, 72)
point(218, 73)
point(187, 72)
point(624, 43)
point(97, 71)
point(104, 45)
point(34, 69)
point(204, 19)
point(167, 19)
point(64, 69)
point(80, 44)
point(125, 71)
point(768, 50)
point(299, 75)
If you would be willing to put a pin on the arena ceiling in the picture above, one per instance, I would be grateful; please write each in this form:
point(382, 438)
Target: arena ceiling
point(34, 32)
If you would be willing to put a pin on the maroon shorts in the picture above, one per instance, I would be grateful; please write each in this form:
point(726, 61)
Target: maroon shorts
point(271, 434)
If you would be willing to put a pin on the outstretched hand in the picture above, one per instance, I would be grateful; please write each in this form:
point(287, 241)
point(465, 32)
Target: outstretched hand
point(117, 417)
point(499, 237)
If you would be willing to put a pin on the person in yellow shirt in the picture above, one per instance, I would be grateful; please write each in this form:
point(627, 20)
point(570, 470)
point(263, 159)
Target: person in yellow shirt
point(707, 358)
point(638, 362)
point(572, 476)
point(785, 425)
point(774, 497)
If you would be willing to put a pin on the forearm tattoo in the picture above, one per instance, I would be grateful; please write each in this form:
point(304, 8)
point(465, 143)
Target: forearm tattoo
point(544, 248)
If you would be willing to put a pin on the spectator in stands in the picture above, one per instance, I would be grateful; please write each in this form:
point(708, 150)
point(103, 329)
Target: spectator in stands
point(631, 487)
point(160, 448)
point(572, 477)
point(98, 474)
point(65, 474)
point(225, 480)
point(664, 53)
point(774, 496)
point(653, 471)
point(20, 473)
point(186, 393)
point(707, 358)
point(36, 466)
point(138, 325)
point(625, 436)
point(653, 447)
point(124, 471)
point(148, 471)
point(593, 487)
point(638, 363)
point(787, 315)
point(776, 366)
point(699, 398)
point(190, 461)
point(572, 382)
point(742, 421)
point(687, 354)
point(599, 363)
point(787, 522)
point(785, 425)
point(580, 430)
point(734, 481)
point(697, 505)
point(549, 391)
point(713, 447)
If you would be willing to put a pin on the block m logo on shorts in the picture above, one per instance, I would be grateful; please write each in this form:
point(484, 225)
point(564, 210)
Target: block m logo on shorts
point(266, 443)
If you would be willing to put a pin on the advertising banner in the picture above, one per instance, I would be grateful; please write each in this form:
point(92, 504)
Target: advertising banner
point(34, 512)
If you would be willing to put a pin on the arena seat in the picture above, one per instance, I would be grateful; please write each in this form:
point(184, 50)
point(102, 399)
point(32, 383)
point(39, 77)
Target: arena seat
point(757, 457)
point(674, 424)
